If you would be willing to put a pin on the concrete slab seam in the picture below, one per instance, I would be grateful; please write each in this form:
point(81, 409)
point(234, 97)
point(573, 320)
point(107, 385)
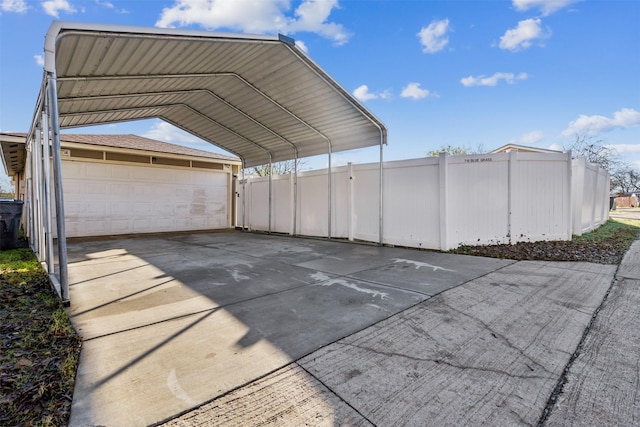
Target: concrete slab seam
point(226, 393)
point(335, 393)
point(562, 380)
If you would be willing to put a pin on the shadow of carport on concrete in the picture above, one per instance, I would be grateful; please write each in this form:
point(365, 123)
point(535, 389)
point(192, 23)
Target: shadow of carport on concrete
point(173, 322)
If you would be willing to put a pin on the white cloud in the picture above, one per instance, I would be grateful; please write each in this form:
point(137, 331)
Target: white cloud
point(303, 47)
point(547, 7)
point(531, 137)
point(625, 148)
point(414, 91)
point(54, 7)
point(265, 16)
point(523, 35)
point(493, 80)
point(312, 16)
point(433, 38)
point(17, 6)
point(163, 131)
point(556, 147)
point(362, 94)
point(111, 6)
point(39, 59)
point(623, 119)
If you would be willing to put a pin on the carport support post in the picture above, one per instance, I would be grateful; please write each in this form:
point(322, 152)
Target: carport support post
point(350, 201)
point(36, 165)
point(244, 195)
point(47, 194)
point(270, 175)
point(295, 193)
point(381, 206)
point(52, 97)
point(329, 196)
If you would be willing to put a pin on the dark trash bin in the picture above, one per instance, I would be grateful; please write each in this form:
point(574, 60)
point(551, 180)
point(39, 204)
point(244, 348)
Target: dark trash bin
point(10, 213)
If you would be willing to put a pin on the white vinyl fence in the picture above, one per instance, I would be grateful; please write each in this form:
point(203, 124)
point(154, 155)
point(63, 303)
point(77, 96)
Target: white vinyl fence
point(437, 202)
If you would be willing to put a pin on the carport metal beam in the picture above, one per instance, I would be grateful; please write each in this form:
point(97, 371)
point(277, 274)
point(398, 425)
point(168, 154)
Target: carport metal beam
point(46, 155)
point(52, 97)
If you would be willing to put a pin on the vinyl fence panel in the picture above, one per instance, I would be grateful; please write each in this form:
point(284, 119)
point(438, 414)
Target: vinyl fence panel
point(440, 202)
point(590, 196)
point(366, 201)
point(411, 208)
point(312, 204)
point(478, 200)
point(542, 208)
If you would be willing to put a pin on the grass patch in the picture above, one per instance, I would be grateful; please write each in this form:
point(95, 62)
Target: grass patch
point(605, 245)
point(625, 229)
point(40, 348)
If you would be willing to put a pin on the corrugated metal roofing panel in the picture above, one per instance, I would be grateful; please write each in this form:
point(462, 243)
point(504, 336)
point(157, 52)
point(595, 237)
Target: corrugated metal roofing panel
point(255, 96)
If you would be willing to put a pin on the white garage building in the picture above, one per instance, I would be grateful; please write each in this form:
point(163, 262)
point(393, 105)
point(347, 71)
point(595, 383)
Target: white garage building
point(127, 184)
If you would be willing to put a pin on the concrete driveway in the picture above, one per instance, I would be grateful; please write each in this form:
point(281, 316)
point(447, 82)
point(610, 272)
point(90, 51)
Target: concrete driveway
point(318, 328)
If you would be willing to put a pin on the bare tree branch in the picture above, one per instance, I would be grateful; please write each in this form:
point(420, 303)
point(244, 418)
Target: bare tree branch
point(455, 150)
point(596, 152)
point(624, 178)
point(278, 168)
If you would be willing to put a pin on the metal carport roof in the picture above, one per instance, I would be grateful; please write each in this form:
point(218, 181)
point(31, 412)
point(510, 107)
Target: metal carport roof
point(257, 96)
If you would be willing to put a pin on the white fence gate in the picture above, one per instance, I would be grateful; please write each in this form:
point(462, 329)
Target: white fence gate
point(437, 202)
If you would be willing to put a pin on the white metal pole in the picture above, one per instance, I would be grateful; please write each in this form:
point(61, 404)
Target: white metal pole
point(36, 150)
point(295, 193)
point(244, 195)
point(381, 206)
point(48, 228)
point(28, 179)
point(52, 95)
point(350, 201)
point(270, 174)
point(329, 195)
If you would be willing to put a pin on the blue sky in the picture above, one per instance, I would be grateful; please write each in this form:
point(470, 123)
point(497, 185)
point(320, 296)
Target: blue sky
point(462, 73)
